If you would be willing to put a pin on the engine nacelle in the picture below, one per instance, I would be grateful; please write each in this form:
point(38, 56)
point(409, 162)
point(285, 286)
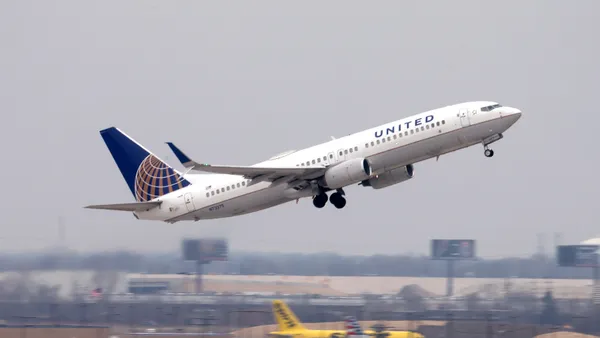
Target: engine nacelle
point(391, 177)
point(346, 173)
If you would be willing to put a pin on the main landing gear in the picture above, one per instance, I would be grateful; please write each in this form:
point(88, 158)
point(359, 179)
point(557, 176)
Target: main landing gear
point(337, 199)
point(488, 152)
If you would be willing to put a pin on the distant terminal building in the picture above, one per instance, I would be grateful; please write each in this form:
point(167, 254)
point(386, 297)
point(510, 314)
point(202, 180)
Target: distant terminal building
point(74, 283)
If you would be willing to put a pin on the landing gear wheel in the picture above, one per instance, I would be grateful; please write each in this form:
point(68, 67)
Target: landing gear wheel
point(488, 153)
point(337, 200)
point(320, 200)
point(341, 203)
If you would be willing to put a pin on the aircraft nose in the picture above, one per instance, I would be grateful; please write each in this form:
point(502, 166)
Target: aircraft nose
point(512, 112)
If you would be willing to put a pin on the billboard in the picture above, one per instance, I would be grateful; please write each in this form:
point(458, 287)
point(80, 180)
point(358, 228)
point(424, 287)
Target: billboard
point(578, 255)
point(191, 249)
point(453, 249)
point(205, 249)
point(213, 249)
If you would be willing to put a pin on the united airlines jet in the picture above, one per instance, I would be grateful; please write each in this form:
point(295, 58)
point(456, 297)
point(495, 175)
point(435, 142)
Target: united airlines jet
point(377, 158)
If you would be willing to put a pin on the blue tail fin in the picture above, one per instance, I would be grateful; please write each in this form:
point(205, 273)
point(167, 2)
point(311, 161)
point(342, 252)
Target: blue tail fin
point(148, 177)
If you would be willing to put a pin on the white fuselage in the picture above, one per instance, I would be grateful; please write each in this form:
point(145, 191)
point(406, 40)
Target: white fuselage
point(386, 147)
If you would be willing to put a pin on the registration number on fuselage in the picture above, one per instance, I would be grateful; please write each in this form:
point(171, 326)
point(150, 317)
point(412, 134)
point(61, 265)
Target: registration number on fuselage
point(216, 207)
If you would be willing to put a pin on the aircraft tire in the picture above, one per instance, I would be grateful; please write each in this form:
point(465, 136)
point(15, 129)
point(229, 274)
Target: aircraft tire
point(340, 203)
point(320, 200)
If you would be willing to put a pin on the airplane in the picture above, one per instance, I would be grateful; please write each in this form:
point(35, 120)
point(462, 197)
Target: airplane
point(289, 326)
point(378, 157)
point(353, 328)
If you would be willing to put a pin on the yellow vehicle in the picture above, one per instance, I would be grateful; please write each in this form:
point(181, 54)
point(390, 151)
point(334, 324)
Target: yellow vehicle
point(291, 327)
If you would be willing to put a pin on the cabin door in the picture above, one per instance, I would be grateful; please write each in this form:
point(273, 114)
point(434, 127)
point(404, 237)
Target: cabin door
point(189, 202)
point(330, 158)
point(465, 119)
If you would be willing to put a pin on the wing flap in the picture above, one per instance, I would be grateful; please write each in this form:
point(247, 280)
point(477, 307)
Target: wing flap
point(136, 206)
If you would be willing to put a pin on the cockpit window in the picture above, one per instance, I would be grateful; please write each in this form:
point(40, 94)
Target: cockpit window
point(490, 108)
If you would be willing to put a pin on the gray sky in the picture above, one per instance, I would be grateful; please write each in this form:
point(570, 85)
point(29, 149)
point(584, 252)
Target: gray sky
point(237, 82)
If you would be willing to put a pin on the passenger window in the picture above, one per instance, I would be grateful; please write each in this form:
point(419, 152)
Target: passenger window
point(438, 123)
point(222, 189)
point(218, 191)
point(341, 153)
point(351, 150)
point(377, 141)
point(330, 156)
point(443, 121)
point(308, 163)
point(346, 151)
point(355, 148)
point(395, 136)
point(244, 183)
point(427, 126)
point(212, 192)
point(412, 131)
point(372, 144)
point(366, 145)
point(238, 185)
point(319, 160)
point(422, 128)
point(313, 161)
point(383, 140)
point(324, 158)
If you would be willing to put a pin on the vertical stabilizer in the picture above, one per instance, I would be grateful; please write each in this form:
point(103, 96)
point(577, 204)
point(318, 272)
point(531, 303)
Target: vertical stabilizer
point(286, 319)
point(353, 328)
point(147, 176)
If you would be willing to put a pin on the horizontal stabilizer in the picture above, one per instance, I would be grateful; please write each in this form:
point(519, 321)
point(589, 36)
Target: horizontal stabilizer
point(139, 206)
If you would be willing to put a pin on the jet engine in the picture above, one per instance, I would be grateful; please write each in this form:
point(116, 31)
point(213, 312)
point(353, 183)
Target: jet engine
point(346, 173)
point(391, 177)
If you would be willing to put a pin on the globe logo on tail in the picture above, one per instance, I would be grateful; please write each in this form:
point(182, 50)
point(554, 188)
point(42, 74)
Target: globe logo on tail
point(154, 178)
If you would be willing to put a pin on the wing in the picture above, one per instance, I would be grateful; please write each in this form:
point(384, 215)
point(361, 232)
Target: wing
point(254, 173)
point(136, 206)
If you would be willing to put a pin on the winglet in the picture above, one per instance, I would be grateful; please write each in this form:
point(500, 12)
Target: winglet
point(183, 158)
point(353, 327)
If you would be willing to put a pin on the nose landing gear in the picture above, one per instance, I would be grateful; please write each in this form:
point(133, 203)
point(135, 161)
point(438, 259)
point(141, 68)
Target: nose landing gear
point(486, 142)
